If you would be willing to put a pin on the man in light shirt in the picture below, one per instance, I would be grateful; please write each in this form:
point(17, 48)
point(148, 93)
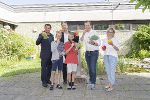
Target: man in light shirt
point(92, 52)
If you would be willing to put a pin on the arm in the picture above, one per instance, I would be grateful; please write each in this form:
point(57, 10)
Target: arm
point(68, 49)
point(38, 41)
point(115, 45)
point(82, 37)
point(53, 46)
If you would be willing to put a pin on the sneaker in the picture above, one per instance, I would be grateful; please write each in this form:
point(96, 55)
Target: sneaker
point(73, 87)
point(51, 87)
point(59, 87)
point(88, 82)
point(109, 89)
point(92, 86)
point(69, 87)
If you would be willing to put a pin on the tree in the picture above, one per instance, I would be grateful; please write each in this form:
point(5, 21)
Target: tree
point(144, 3)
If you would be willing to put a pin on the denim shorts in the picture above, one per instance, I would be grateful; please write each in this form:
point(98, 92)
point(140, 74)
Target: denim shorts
point(57, 63)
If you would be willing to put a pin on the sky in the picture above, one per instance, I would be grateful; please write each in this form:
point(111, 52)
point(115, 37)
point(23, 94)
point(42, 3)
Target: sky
point(24, 2)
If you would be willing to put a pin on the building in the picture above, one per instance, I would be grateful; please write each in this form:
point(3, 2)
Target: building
point(30, 19)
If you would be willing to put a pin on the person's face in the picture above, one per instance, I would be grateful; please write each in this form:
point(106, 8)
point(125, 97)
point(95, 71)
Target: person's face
point(58, 36)
point(47, 29)
point(110, 34)
point(71, 37)
point(87, 26)
point(64, 26)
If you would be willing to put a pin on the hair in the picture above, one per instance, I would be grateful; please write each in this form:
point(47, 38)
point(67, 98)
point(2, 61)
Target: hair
point(48, 25)
point(87, 22)
point(111, 29)
point(71, 33)
point(58, 32)
point(63, 23)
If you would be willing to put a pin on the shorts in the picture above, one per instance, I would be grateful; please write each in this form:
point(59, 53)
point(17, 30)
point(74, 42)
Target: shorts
point(57, 63)
point(71, 68)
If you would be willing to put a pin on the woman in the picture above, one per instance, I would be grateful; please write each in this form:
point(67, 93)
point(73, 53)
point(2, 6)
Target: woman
point(110, 47)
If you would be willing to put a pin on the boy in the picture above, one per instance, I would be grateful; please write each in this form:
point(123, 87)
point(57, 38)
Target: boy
point(71, 60)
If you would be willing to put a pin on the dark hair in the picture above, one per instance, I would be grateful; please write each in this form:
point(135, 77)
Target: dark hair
point(87, 22)
point(71, 33)
point(63, 23)
point(48, 25)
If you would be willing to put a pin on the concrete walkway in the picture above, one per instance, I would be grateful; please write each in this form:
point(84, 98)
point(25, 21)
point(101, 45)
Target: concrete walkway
point(28, 87)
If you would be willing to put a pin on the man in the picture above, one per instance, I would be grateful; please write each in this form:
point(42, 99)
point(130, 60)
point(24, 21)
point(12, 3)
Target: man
point(45, 54)
point(64, 39)
point(92, 52)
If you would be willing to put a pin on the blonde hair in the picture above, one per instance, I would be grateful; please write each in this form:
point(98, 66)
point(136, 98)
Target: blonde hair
point(58, 32)
point(111, 29)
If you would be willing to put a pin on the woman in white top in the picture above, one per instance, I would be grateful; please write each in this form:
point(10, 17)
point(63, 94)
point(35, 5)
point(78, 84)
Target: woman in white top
point(110, 47)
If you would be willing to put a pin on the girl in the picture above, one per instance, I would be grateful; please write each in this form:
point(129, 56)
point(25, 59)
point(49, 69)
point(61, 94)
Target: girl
point(110, 47)
point(57, 49)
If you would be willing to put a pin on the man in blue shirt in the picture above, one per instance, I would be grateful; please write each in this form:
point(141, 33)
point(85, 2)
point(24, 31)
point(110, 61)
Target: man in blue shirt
point(45, 54)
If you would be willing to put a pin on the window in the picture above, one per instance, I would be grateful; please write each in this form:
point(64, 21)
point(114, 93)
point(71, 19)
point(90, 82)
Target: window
point(122, 26)
point(101, 26)
point(135, 26)
point(72, 27)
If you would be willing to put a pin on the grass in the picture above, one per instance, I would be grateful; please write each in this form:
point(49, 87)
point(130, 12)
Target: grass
point(11, 68)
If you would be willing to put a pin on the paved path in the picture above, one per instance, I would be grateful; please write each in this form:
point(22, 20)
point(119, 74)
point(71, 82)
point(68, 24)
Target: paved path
point(28, 87)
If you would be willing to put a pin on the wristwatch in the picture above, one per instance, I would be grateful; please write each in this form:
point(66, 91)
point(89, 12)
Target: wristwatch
point(94, 43)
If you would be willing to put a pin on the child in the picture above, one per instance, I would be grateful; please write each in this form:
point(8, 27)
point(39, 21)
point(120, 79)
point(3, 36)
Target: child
point(110, 47)
point(57, 49)
point(71, 60)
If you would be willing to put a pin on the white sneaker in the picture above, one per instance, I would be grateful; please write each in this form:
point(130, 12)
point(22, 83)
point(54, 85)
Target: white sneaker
point(109, 89)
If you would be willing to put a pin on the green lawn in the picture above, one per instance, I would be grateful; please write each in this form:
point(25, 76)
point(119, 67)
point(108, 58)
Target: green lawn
point(11, 68)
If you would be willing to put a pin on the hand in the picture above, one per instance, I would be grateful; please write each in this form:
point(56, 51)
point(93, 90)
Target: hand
point(60, 54)
point(76, 49)
point(111, 43)
point(91, 42)
point(84, 32)
point(72, 45)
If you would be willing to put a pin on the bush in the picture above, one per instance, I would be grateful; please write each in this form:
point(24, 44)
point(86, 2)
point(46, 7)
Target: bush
point(15, 46)
point(140, 45)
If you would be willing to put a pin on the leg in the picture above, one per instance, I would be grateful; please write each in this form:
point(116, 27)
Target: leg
point(43, 71)
point(87, 58)
point(93, 62)
point(49, 67)
point(53, 77)
point(107, 67)
point(59, 76)
point(113, 64)
point(65, 73)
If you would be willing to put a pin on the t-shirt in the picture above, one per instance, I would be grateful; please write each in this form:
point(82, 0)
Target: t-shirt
point(109, 48)
point(65, 37)
point(71, 57)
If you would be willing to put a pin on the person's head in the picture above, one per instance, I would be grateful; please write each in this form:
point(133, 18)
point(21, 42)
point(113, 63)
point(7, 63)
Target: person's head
point(87, 25)
point(71, 36)
point(58, 35)
point(64, 25)
point(47, 28)
point(110, 33)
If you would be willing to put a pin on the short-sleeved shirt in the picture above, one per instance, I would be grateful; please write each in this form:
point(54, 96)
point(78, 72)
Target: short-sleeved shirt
point(71, 57)
point(109, 48)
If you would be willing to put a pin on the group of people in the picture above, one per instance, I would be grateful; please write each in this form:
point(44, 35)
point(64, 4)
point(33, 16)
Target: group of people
point(62, 52)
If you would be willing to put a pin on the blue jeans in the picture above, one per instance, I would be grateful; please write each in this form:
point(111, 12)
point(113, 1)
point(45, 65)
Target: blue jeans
point(91, 59)
point(110, 66)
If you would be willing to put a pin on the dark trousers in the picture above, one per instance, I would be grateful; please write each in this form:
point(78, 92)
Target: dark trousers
point(91, 59)
point(46, 66)
point(65, 72)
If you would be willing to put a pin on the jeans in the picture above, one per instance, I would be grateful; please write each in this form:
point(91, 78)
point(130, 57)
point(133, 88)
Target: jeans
point(91, 59)
point(110, 66)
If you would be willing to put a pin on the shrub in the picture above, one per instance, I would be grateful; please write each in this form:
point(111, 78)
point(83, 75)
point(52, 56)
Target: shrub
point(15, 46)
point(140, 44)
